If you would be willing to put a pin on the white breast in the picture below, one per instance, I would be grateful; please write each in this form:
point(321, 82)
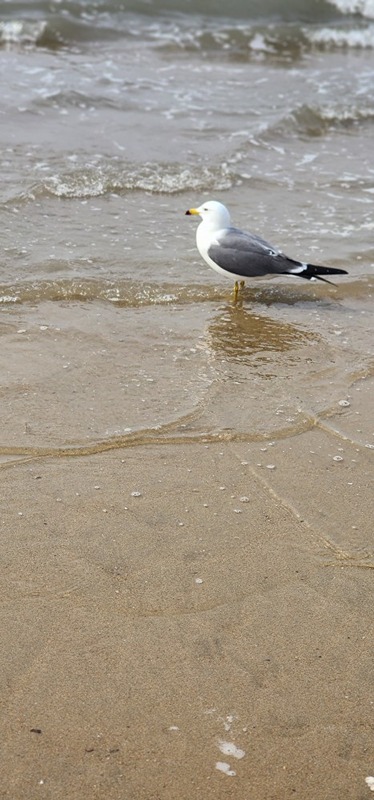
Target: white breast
point(204, 239)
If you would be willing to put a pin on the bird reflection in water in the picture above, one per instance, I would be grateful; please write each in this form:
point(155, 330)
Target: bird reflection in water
point(243, 336)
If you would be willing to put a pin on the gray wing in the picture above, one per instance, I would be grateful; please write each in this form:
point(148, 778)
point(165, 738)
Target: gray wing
point(248, 255)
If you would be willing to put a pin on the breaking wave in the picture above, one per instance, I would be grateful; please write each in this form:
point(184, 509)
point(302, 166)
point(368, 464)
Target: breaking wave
point(243, 28)
point(86, 182)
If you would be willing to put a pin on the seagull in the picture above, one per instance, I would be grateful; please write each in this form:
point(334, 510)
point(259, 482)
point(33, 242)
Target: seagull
point(239, 255)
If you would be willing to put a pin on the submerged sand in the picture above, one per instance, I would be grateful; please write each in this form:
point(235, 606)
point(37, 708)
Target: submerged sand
point(191, 620)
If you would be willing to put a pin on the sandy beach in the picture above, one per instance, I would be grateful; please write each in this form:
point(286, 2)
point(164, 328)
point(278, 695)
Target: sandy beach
point(190, 620)
point(186, 482)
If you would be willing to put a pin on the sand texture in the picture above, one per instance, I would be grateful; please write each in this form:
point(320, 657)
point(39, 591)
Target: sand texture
point(190, 620)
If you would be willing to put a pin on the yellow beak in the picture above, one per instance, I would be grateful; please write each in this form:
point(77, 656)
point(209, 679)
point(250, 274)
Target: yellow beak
point(192, 211)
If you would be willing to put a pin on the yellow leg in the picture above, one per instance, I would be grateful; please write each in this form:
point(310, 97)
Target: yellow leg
point(237, 286)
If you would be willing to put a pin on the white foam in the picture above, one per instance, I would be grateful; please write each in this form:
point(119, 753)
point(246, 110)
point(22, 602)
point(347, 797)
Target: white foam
point(16, 31)
point(224, 767)
point(358, 37)
point(228, 722)
point(364, 7)
point(230, 749)
point(155, 178)
point(258, 43)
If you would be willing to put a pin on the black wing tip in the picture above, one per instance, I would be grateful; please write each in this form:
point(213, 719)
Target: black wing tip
point(313, 271)
point(331, 271)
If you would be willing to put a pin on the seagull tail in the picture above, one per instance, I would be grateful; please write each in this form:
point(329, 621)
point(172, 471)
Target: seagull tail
point(312, 272)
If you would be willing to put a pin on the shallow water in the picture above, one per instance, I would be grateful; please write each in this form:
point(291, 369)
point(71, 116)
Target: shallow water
point(115, 119)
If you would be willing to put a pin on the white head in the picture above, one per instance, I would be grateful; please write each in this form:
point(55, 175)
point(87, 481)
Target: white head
point(214, 215)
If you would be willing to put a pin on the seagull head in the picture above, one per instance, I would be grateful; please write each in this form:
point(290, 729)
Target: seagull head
point(213, 214)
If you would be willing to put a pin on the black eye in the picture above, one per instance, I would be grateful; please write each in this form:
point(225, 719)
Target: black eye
point(205, 209)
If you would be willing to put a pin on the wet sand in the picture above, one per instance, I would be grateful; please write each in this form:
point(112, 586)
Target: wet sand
point(191, 619)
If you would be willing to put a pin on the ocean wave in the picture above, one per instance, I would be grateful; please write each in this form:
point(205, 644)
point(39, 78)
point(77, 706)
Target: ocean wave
point(126, 293)
point(253, 30)
point(274, 38)
point(244, 41)
point(104, 11)
point(314, 121)
point(86, 182)
point(363, 7)
point(24, 33)
point(343, 37)
point(123, 293)
point(56, 31)
point(251, 39)
point(259, 25)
